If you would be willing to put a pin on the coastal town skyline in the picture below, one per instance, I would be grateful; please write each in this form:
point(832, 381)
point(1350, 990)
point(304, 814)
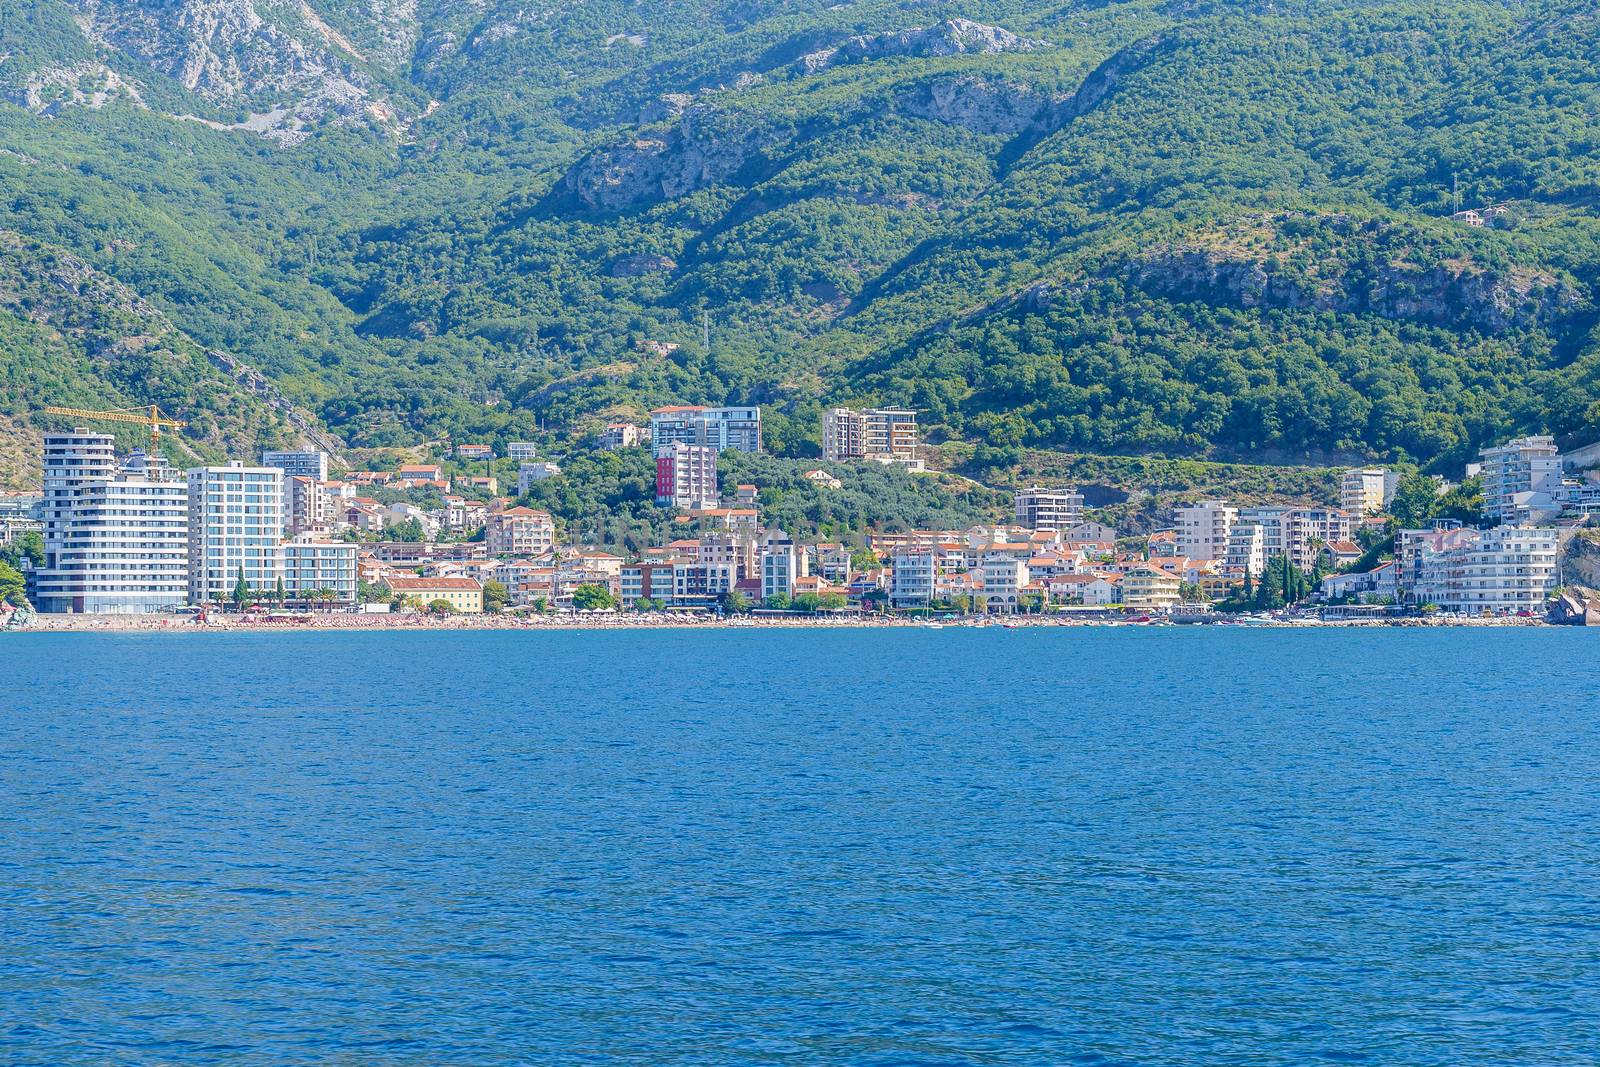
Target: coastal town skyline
point(131, 535)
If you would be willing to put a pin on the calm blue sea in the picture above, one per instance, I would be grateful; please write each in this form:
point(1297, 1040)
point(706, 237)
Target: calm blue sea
point(883, 848)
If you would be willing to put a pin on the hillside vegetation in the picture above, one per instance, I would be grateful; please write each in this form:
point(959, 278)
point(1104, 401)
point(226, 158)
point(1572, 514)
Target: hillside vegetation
point(1192, 229)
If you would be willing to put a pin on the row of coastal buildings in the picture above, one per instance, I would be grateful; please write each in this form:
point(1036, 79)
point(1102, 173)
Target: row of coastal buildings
point(1052, 556)
point(1533, 497)
point(132, 535)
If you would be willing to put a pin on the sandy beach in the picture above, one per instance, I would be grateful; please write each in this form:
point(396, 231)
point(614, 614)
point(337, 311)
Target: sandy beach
point(654, 621)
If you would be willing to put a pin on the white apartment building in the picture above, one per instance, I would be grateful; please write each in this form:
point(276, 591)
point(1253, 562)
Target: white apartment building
point(1299, 532)
point(70, 461)
point(833, 564)
point(646, 581)
point(235, 528)
point(686, 475)
point(1579, 498)
point(780, 565)
point(1246, 554)
point(736, 547)
point(307, 463)
point(463, 514)
point(1367, 490)
point(1520, 478)
point(531, 473)
point(620, 435)
point(1411, 545)
point(696, 584)
point(1204, 529)
point(116, 540)
point(20, 513)
point(1499, 571)
point(311, 565)
point(307, 506)
point(912, 583)
point(519, 532)
point(1003, 578)
point(1038, 508)
point(520, 450)
point(888, 435)
point(736, 429)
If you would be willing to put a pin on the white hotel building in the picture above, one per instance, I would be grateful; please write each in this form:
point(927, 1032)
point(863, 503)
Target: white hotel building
point(235, 526)
point(1500, 571)
point(115, 539)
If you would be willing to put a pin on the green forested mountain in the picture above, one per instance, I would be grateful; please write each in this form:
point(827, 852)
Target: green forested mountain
point(1182, 227)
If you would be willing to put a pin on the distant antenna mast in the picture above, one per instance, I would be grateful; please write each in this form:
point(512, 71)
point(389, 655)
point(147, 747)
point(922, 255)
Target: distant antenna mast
point(1455, 192)
point(705, 330)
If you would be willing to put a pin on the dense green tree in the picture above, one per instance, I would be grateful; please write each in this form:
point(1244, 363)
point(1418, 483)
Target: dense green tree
point(590, 597)
point(12, 585)
point(495, 596)
point(26, 549)
point(810, 603)
point(408, 530)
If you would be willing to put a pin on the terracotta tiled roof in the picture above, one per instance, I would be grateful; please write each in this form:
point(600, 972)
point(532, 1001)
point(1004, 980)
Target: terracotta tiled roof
point(423, 585)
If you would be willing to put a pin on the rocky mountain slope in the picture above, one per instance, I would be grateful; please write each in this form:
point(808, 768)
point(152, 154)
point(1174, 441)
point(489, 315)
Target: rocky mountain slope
point(1202, 229)
point(72, 335)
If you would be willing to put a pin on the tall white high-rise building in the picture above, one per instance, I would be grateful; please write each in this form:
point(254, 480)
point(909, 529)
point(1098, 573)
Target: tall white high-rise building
point(686, 476)
point(1246, 555)
point(1299, 533)
point(781, 564)
point(115, 539)
point(1204, 529)
point(1520, 478)
point(235, 527)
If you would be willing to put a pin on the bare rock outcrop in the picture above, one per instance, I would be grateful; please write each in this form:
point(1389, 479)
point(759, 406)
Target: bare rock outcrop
point(1377, 271)
point(636, 266)
point(229, 54)
point(956, 36)
point(982, 105)
point(705, 146)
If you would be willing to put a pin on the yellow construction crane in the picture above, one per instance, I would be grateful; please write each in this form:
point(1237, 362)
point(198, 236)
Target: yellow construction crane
point(153, 419)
